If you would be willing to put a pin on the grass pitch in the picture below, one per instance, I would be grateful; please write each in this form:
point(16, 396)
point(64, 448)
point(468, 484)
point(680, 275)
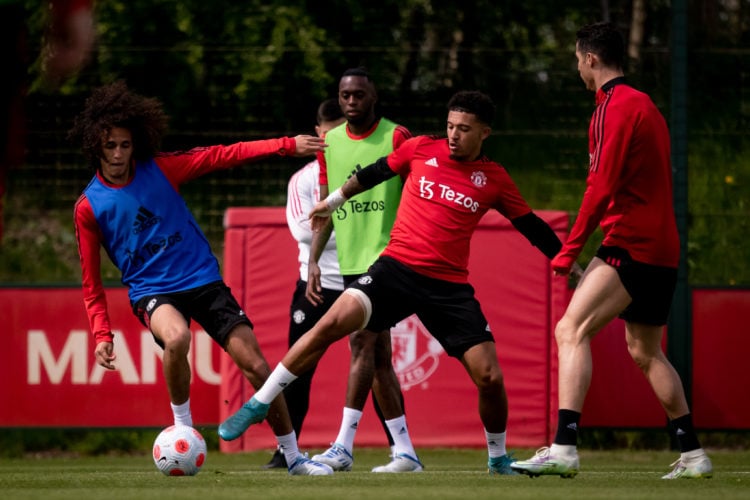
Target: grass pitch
point(449, 473)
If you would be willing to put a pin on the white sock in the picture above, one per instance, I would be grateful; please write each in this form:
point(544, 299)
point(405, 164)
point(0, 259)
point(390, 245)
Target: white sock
point(182, 415)
point(288, 445)
point(692, 454)
point(495, 443)
point(280, 378)
point(566, 450)
point(348, 430)
point(400, 435)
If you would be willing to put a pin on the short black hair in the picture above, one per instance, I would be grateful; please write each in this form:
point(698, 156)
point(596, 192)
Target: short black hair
point(329, 110)
point(474, 102)
point(604, 40)
point(358, 71)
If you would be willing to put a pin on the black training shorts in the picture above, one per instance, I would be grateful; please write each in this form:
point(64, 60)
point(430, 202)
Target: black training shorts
point(651, 287)
point(448, 310)
point(213, 306)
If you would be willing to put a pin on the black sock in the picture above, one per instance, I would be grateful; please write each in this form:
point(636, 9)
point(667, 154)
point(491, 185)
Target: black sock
point(686, 437)
point(567, 427)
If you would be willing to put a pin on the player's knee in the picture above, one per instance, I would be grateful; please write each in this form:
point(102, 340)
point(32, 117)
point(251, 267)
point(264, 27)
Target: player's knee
point(362, 341)
point(177, 340)
point(489, 379)
point(566, 332)
point(640, 357)
point(361, 313)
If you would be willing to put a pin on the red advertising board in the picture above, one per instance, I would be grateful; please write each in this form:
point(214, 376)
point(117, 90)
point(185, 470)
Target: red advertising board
point(721, 343)
point(50, 378)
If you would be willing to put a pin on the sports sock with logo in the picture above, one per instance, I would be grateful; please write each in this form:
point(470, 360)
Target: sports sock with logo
point(685, 433)
point(567, 427)
point(279, 379)
point(348, 430)
point(400, 433)
point(288, 444)
point(495, 443)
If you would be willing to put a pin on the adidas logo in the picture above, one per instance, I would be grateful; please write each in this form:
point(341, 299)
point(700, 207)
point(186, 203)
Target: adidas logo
point(402, 431)
point(354, 426)
point(354, 172)
point(144, 220)
point(572, 427)
point(283, 384)
point(432, 162)
point(680, 432)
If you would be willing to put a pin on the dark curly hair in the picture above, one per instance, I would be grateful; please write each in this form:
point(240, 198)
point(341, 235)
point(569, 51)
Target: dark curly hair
point(474, 102)
point(115, 106)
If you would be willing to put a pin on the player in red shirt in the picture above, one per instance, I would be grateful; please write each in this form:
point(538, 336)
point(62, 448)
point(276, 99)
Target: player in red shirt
point(449, 185)
point(628, 194)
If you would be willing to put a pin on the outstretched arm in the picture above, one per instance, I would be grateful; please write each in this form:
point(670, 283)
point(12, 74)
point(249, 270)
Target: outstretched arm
point(365, 179)
point(185, 166)
point(539, 233)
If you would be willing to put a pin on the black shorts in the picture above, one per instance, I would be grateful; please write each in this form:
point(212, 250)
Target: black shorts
point(213, 306)
point(651, 287)
point(303, 314)
point(448, 310)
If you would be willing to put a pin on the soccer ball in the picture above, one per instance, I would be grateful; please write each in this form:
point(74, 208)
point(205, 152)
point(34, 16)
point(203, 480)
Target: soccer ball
point(179, 450)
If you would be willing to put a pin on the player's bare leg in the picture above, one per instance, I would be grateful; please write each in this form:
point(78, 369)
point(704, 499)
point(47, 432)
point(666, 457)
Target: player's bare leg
point(480, 361)
point(598, 299)
point(171, 328)
point(346, 314)
point(386, 391)
point(644, 346)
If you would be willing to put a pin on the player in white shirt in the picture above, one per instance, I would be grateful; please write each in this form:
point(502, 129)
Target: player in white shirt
point(303, 192)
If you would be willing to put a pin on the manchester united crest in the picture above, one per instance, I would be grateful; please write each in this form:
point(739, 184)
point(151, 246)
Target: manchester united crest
point(479, 178)
point(415, 352)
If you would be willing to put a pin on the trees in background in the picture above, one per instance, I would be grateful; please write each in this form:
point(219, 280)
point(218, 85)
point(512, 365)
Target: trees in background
point(228, 70)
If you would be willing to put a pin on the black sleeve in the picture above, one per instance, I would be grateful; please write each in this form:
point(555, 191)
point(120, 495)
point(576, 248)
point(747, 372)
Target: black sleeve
point(375, 173)
point(538, 233)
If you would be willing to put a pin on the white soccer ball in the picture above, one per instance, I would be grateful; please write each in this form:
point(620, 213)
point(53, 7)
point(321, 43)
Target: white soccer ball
point(179, 450)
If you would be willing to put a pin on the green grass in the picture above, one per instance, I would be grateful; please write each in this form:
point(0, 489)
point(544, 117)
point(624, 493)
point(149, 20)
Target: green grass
point(449, 473)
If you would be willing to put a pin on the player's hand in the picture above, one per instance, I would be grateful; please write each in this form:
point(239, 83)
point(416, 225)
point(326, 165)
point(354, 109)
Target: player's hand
point(314, 291)
point(105, 355)
point(319, 215)
point(306, 145)
point(562, 264)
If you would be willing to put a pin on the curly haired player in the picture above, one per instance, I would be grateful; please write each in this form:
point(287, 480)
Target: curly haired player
point(132, 208)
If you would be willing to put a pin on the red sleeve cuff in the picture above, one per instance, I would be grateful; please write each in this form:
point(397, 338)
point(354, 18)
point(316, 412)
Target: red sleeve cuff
point(562, 263)
point(288, 146)
point(103, 337)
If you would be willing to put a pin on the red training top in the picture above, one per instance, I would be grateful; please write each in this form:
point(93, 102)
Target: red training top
point(441, 204)
point(629, 185)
